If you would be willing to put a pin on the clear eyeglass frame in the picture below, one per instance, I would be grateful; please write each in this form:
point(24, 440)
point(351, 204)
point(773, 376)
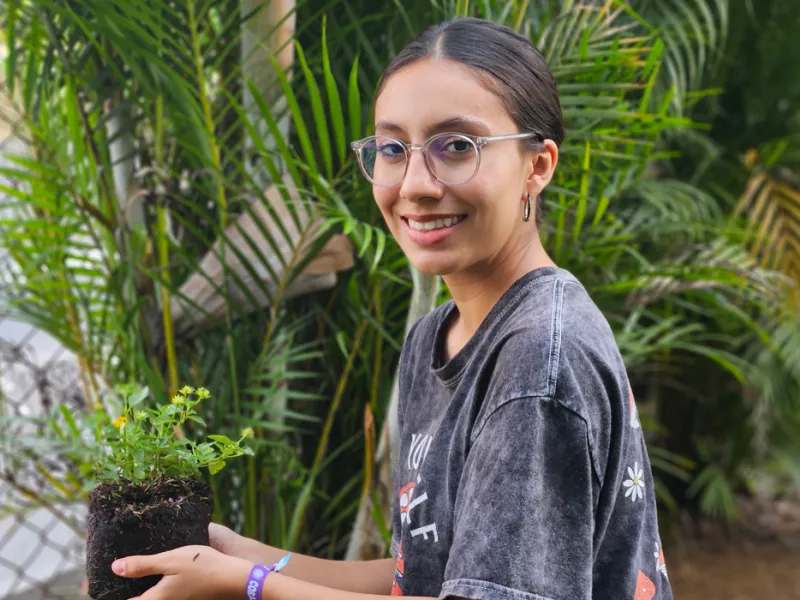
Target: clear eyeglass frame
point(477, 141)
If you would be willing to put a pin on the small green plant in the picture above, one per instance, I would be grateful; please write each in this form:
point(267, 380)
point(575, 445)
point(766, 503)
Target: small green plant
point(143, 443)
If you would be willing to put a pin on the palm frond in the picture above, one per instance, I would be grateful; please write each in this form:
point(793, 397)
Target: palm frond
point(695, 34)
point(771, 203)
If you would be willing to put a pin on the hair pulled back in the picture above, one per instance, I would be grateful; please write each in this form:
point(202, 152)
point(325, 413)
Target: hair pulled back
point(505, 62)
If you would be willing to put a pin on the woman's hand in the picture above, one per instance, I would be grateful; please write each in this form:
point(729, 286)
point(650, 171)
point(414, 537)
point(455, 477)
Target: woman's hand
point(224, 540)
point(191, 572)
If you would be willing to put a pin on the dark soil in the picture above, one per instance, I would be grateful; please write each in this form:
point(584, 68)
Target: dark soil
point(139, 519)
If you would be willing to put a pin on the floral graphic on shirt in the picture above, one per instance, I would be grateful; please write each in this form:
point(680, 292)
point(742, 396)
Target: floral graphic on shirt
point(410, 499)
point(645, 589)
point(410, 496)
point(635, 484)
point(661, 564)
point(400, 565)
point(396, 591)
point(399, 571)
point(633, 410)
point(404, 497)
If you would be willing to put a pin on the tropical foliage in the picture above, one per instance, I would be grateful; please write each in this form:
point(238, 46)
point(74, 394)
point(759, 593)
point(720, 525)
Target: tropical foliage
point(179, 219)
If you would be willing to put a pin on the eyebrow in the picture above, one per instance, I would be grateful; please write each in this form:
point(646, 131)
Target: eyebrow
point(453, 123)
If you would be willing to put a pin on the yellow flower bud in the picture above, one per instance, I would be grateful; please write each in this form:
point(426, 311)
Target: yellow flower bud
point(120, 421)
point(186, 390)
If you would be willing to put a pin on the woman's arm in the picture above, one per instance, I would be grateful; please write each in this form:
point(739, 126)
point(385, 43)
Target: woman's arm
point(202, 573)
point(364, 577)
point(280, 587)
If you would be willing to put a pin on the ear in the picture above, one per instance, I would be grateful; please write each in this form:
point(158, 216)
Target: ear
point(543, 165)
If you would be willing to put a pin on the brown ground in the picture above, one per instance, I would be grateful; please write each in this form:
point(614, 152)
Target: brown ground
point(759, 561)
point(766, 571)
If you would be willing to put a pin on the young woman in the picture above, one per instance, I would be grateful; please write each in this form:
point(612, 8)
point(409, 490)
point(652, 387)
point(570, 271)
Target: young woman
point(523, 473)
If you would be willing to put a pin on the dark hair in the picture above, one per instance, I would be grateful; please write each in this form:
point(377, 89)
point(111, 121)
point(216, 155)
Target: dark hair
point(506, 63)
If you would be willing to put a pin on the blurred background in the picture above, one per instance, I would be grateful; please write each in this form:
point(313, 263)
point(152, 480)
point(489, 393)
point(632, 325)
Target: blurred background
point(179, 205)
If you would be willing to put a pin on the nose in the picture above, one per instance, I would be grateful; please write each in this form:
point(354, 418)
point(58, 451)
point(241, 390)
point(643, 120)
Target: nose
point(419, 182)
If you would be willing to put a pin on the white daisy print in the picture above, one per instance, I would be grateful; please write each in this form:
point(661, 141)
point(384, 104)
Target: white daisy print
point(661, 565)
point(635, 484)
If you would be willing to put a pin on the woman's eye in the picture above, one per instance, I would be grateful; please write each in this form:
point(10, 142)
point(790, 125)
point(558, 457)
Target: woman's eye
point(458, 146)
point(391, 150)
point(451, 146)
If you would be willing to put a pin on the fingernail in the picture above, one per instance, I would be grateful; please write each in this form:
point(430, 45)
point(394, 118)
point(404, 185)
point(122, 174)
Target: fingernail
point(118, 566)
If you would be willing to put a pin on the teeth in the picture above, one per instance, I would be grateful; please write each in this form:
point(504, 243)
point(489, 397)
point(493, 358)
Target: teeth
point(437, 224)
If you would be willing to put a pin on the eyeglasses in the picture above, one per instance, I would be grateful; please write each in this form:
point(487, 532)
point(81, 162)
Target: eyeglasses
point(452, 158)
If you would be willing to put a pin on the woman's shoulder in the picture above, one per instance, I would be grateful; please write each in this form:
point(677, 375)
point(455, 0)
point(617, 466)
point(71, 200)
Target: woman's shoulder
point(556, 343)
point(559, 348)
point(556, 319)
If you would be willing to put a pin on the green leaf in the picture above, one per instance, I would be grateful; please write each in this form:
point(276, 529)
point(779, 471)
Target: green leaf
point(138, 397)
point(13, 7)
point(223, 439)
point(318, 111)
point(583, 198)
point(73, 427)
point(216, 466)
point(600, 211)
point(334, 101)
point(297, 116)
point(354, 102)
point(198, 420)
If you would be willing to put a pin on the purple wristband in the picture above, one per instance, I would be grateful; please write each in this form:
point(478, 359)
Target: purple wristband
point(255, 583)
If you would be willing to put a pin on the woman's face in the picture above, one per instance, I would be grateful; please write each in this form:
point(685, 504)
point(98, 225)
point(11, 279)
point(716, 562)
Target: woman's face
point(485, 214)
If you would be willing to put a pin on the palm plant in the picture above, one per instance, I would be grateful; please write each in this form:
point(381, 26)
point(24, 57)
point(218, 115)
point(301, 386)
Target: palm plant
point(118, 277)
point(746, 160)
point(162, 237)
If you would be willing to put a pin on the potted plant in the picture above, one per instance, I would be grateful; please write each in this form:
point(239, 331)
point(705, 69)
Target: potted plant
point(147, 494)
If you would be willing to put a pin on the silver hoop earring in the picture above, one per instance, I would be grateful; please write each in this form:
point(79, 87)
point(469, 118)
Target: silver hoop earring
point(526, 215)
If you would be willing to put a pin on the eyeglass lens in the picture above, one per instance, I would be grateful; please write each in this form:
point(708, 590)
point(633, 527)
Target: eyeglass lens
point(452, 158)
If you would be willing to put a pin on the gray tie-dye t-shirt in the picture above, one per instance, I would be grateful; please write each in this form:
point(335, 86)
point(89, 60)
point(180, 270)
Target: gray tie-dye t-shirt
point(522, 471)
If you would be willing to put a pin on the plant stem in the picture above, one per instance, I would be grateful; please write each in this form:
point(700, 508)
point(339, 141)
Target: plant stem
point(322, 446)
point(521, 15)
point(251, 525)
point(377, 353)
point(223, 204)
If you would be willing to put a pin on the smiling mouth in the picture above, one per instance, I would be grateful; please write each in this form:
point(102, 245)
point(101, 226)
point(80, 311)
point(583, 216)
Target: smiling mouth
point(434, 224)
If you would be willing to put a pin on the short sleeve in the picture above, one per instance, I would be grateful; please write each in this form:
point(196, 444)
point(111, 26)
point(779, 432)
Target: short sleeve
point(523, 523)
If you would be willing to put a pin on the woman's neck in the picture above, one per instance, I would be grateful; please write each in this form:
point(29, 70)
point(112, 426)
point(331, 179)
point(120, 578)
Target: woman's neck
point(476, 292)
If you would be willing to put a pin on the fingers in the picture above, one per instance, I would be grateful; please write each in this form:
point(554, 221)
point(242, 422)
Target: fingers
point(138, 566)
point(216, 535)
point(220, 538)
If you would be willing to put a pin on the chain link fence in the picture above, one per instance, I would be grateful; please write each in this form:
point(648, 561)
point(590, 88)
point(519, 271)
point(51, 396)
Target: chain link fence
point(41, 547)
